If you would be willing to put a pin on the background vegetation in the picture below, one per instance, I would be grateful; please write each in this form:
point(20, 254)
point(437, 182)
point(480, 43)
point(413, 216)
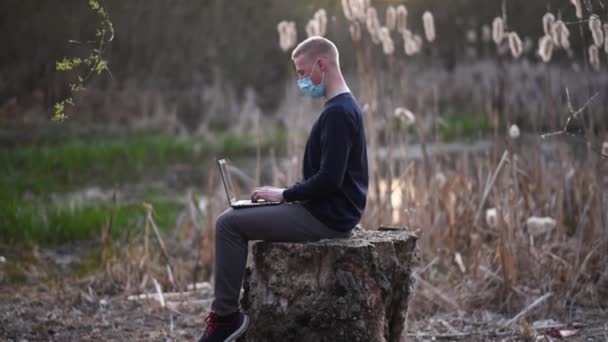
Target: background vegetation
point(495, 159)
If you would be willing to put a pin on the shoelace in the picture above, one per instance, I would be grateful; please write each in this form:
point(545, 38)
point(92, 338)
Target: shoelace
point(212, 323)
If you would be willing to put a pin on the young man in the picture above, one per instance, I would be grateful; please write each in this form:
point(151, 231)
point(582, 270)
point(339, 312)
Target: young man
point(327, 203)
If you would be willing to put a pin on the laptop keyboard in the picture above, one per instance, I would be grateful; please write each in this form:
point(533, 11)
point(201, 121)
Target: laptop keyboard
point(250, 203)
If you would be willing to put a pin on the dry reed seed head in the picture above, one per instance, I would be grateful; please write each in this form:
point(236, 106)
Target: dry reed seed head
point(405, 116)
point(411, 43)
point(358, 9)
point(472, 36)
point(355, 31)
point(287, 34)
point(312, 28)
point(498, 30)
point(401, 18)
point(486, 33)
point(514, 132)
point(373, 25)
point(348, 14)
point(560, 35)
point(388, 47)
point(492, 217)
point(595, 25)
point(540, 225)
point(606, 38)
point(578, 8)
point(429, 26)
point(440, 179)
point(365, 108)
point(321, 18)
point(545, 48)
point(515, 45)
point(292, 33)
point(605, 148)
point(594, 57)
point(391, 17)
point(548, 20)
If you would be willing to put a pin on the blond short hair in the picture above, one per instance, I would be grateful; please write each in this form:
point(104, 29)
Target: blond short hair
point(317, 46)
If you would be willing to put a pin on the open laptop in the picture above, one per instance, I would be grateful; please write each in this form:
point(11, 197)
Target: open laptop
point(232, 200)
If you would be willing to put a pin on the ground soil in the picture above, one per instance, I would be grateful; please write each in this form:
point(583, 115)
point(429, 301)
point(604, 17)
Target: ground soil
point(74, 312)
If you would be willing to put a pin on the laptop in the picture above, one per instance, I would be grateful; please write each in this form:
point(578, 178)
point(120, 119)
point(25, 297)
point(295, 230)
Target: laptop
point(232, 200)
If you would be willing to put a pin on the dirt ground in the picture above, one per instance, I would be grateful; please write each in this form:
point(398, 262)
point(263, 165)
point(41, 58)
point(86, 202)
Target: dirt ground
point(74, 312)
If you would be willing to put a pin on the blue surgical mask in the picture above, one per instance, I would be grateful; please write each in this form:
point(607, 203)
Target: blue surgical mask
point(311, 89)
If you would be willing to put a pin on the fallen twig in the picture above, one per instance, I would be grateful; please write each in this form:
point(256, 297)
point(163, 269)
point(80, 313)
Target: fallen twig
point(161, 243)
point(490, 185)
point(525, 311)
point(437, 292)
point(159, 291)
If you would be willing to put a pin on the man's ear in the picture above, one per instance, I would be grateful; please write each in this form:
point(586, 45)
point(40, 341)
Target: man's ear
point(322, 64)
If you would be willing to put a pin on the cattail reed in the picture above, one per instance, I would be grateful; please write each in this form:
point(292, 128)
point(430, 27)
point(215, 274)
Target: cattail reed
point(606, 38)
point(405, 116)
point(595, 25)
point(540, 225)
point(312, 28)
point(560, 35)
point(514, 132)
point(355, 31)
point(515, 45)
point(348, 14)
point(594, 57)
point(391, 17)
point(545, 48)
point(287, 34)
point(321, 18)
point(388, 47)
point(492, 217)
point(578, 7)
point(401, 18)
point(429, 26)
point(548, 20)
point(412, 43)
point(486, 33)
point(373, 25)
point(358, 9)
point(498, 30)
point(471, 36)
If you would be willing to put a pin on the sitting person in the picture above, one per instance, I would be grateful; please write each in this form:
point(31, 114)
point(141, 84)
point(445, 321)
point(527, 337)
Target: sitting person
point(327, 203)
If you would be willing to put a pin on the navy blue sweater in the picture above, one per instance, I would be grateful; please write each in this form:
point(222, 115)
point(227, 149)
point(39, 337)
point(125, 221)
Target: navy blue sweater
point(334, 185)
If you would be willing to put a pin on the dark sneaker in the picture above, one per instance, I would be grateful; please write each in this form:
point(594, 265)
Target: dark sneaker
point(225, 329)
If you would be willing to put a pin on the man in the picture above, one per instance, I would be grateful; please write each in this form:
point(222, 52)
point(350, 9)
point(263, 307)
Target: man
point(327, 203)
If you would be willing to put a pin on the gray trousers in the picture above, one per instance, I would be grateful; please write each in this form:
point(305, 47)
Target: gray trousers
point(234, 228)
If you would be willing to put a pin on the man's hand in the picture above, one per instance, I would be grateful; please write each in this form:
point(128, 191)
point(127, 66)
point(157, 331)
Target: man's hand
point(267, 193)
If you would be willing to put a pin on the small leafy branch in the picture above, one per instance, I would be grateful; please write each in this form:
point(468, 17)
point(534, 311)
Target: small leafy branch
point(87, 67)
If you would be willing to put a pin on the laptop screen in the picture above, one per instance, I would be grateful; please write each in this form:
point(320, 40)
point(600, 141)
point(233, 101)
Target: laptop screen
point(224, 172)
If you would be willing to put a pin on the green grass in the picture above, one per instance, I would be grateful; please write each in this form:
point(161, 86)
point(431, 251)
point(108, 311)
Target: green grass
point(31, 174)
point(49, 224)
point(60, 167)
point(465, 126)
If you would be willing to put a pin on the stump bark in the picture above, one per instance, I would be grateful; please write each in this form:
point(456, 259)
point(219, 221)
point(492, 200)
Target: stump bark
point(354, 289)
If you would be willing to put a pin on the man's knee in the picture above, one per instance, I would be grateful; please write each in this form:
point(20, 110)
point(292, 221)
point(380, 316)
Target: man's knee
point(225, 221)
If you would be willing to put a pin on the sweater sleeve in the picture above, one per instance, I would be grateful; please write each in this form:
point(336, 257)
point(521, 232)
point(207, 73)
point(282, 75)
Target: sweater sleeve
point(337, 137)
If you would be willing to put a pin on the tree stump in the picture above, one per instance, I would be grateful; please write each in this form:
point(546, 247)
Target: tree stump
point(354, 289)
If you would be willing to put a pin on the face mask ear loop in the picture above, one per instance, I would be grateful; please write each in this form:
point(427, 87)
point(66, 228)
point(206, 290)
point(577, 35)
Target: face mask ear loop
point(322, 74)
point(323, 77)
